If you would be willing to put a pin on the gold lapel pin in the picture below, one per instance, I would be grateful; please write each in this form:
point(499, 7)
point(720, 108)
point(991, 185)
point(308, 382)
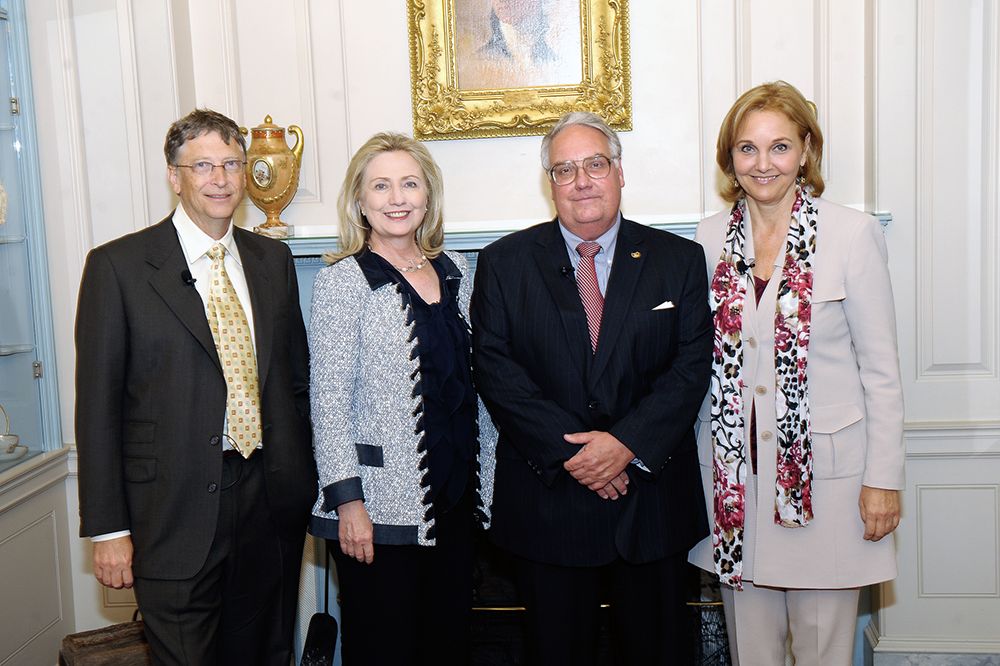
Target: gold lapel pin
point(636, 255)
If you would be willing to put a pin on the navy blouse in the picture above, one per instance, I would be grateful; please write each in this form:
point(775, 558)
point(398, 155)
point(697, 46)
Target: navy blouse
point(444, 345)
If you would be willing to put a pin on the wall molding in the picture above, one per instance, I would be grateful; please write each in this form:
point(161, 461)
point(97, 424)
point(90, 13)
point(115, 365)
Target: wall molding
point(75, 140)
point(919, 645)
point(231, 56)
point(132, 112)
point(952, 441)
point(823, 27)
point(312, 193)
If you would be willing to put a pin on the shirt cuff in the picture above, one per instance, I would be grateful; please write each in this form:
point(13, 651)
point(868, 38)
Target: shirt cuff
point(638, 463)
point(110, 535)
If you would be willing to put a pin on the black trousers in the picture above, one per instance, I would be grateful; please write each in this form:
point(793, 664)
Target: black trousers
point(240, 608)
point(412, 604)
point(648, 607)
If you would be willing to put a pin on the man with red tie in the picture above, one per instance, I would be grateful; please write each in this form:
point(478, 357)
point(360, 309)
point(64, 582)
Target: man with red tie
point(592, 350)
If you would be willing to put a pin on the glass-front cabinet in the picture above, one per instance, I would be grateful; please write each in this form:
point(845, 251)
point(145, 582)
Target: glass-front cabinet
point(28, 395)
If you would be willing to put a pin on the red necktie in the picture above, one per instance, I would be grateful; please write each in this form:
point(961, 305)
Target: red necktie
point(590, 291)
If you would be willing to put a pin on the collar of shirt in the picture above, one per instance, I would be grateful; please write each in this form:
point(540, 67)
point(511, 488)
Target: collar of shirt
point(196, 243)
point(602, 262)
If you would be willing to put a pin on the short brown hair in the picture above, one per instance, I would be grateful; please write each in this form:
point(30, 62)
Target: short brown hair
point(355, 229)
point(196, 123)
point(780, 97)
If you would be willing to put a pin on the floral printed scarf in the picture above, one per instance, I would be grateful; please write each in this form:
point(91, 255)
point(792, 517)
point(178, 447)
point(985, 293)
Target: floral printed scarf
point(793, 486)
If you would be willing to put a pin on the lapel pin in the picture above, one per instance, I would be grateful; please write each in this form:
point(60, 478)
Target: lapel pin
point(636, 255)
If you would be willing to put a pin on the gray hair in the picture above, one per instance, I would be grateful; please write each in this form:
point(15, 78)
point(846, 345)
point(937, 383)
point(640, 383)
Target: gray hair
point(586, 119)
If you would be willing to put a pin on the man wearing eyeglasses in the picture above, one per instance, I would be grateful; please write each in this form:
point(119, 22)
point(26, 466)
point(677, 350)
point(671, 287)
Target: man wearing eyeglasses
point(592, 349)
point(192, 417)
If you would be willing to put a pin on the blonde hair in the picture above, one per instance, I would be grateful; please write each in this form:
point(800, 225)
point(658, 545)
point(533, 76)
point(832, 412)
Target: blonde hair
point(780, 97)
point(355, 229)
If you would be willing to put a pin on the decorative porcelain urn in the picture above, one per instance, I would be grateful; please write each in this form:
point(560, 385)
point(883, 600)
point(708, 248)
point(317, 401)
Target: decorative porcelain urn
point(272, 173)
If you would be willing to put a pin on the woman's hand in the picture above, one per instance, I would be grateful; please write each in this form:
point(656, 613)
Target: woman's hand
point(356, 531)
point(879, 510)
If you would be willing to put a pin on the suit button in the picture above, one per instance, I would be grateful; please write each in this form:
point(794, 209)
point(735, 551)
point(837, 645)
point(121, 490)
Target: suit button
point(761, 390)
point(212, 487)
point(752, 342)
point(593, 404)
point(215, 440)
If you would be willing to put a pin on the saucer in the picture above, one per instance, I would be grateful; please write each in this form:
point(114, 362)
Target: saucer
point(18, 452)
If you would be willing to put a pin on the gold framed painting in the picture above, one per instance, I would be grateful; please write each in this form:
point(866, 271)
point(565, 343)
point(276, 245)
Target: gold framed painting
point(493, 68)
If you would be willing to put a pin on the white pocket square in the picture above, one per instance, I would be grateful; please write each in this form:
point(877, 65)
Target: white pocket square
point(665, 305)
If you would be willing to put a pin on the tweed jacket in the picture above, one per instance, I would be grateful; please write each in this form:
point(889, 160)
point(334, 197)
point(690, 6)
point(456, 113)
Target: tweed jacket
point(365, 388)
point(855, 407)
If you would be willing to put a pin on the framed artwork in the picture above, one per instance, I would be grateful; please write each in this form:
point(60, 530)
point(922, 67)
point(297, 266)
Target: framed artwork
point(492, 68)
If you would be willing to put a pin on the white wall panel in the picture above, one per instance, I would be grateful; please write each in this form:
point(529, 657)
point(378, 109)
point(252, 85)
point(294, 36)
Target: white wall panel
point(953, 560)
point(956, 325)
point(103, 123)
point(952, 220)
point(947, 596)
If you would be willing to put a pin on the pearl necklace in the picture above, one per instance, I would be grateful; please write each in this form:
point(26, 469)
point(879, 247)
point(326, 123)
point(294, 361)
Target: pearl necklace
point(413, 267)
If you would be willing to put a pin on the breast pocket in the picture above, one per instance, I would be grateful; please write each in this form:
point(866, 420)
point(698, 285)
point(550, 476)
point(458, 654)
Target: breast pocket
point(838, 441)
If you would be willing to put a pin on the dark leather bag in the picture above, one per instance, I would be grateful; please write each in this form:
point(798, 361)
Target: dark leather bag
point(321, 638)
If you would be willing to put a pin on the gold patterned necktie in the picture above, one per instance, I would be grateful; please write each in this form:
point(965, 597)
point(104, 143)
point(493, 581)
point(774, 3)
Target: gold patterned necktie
point(231, 332)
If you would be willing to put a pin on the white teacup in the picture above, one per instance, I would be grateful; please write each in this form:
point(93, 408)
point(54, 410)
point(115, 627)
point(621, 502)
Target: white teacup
point(8, 443)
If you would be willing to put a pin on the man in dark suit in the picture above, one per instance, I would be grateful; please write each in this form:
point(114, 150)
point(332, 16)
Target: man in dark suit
point(192, 416)
point(592, 351)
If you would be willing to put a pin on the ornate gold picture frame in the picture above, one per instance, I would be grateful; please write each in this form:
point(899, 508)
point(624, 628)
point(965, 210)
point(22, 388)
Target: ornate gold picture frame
point(474, 76)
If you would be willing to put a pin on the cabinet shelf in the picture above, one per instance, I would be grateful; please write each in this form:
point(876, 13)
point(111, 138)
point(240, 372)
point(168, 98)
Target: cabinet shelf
point(10, 350)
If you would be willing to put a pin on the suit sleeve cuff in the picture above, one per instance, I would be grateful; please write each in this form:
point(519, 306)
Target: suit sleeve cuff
point(337, 493)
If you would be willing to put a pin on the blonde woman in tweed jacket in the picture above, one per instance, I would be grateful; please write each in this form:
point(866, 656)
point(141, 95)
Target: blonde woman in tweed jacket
point(404, 473)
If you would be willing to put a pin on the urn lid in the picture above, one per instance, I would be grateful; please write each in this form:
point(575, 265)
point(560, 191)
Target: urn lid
point(267, 130)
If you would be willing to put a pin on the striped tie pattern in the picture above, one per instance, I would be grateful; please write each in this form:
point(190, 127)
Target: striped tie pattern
point(231, 332)
point(590, 291)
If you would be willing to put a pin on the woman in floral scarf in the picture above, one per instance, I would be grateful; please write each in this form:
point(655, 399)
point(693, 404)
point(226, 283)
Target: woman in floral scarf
point(801, 435)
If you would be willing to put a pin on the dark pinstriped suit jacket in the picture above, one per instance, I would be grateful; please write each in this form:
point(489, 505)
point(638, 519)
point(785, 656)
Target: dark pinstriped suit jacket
point(537, 375)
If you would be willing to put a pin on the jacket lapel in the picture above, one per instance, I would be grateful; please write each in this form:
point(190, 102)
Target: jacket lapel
point(261, 294)
point(625, 270)
point(165, 255)
point(555, 267)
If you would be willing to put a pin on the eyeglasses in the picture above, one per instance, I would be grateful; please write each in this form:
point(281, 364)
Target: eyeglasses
point(204, 168)
point(596, 166)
